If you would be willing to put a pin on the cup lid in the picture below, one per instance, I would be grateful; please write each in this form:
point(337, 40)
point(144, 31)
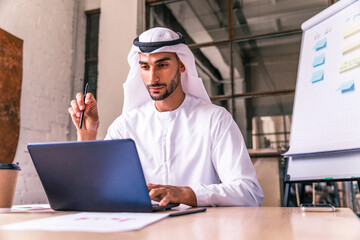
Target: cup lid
point(14, 166)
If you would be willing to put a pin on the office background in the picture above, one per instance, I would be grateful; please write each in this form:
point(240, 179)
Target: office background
point(246, 52)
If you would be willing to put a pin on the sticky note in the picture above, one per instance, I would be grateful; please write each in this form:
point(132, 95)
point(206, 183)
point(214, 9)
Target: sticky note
point(349, 64)
point(320, 44)
point(319, 60)
point(317, 76)
point(350, 46)
point(347, 86)
point(351, 29)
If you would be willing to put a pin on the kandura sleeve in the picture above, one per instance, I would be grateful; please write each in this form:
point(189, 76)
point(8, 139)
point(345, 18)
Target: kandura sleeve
point(116, 129)
point(239, 185)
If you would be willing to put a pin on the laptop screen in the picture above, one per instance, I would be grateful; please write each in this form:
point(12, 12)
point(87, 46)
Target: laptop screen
point(92, 175)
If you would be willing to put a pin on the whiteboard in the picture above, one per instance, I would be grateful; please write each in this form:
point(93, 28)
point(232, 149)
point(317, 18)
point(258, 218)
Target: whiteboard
point(326, 112)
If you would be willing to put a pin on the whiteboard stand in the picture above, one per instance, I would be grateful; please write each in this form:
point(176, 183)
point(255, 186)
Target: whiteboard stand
point(288, 180)
point(325, 129)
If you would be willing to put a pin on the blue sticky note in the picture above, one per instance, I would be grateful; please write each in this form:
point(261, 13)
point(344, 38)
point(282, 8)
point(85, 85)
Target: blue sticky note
point(317, 76)
point(319, 60)
point(320, 44)
point(347, 86)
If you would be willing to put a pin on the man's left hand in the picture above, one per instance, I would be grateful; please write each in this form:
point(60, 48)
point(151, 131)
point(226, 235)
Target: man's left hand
point(172, 194)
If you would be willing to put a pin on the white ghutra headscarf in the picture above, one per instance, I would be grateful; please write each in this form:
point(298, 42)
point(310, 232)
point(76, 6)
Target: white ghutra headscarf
point(153, 41)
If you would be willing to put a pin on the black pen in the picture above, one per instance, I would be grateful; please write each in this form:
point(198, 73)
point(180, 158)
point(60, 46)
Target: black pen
point(196, 210)
point(82, 113)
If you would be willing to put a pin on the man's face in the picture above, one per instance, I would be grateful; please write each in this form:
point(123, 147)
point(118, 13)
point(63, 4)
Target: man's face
point(161, 73)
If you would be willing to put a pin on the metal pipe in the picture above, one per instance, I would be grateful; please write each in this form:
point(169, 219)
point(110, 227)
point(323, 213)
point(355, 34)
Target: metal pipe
point(152, 3)
point(254, 94)
point(248, 38)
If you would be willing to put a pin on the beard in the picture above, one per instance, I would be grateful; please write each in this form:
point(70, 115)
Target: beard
point(174, 83)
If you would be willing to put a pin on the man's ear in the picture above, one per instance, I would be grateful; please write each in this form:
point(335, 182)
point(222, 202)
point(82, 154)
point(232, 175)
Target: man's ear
point(182, 67)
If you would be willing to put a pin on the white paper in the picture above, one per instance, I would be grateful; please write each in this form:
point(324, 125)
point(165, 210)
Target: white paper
point(181, 207)
point(31, 208)
point(89, 222)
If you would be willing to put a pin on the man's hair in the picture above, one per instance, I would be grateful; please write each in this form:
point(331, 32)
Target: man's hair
point(177, 58)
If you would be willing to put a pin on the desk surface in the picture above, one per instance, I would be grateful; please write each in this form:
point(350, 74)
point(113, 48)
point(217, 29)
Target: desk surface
point(215, 223)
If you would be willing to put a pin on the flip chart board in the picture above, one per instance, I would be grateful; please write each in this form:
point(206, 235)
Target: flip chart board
point(325, 131)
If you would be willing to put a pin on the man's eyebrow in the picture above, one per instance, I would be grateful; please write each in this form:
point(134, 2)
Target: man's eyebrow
point(157, 61)
point(163, 59)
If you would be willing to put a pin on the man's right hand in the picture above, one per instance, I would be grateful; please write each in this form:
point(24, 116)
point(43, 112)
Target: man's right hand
point(91, 117)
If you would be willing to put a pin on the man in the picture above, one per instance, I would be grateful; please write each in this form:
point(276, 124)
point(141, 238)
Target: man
point(191, 150)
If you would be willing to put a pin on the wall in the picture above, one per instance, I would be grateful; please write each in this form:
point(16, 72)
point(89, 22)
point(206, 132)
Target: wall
point(52, 31)
point(118, 24)
point(53, 70)
point(267, 171)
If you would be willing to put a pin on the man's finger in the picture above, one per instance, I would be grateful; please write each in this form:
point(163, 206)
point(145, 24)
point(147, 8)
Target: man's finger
point(72, 113)
point(80, 101)
point(152, 186)
point(89, 98)
point(91, 107)
point(74, 118)
point(75, 107)
point(165, 200)
point(157, 194)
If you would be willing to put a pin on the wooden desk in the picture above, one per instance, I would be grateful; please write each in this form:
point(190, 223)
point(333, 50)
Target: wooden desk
point(215, 223)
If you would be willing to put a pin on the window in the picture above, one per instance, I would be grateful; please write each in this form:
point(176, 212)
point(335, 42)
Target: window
point(91, 50)
point(247, 54)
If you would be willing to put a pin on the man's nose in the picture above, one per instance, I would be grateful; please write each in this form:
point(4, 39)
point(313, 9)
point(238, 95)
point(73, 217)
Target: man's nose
point(153, 77)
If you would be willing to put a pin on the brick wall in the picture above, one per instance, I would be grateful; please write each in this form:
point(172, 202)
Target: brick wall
point(54, 36)
point(53, 70)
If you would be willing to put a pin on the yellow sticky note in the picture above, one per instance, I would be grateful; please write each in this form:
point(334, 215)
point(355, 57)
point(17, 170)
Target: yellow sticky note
point(348, 47)
point(349, 64)
point(351, 29)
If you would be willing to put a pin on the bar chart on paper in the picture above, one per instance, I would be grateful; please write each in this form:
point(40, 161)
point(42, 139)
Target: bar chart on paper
point(90, 222)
